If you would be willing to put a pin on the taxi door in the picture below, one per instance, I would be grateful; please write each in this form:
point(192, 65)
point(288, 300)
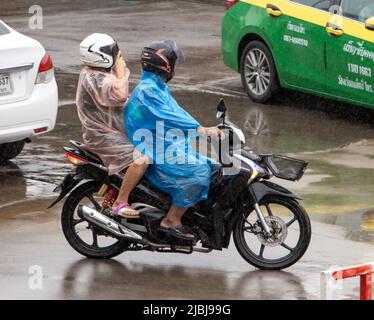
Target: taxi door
point(350, 52)
point(298, 41)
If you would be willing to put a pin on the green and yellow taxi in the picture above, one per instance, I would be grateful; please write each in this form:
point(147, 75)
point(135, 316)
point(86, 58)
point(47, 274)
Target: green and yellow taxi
point(323, 47)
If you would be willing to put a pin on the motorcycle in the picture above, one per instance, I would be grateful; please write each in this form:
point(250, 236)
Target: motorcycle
point(270, 229)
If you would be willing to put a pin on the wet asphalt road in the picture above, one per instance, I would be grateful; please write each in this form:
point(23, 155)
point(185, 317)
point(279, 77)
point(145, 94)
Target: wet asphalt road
point(337, 139)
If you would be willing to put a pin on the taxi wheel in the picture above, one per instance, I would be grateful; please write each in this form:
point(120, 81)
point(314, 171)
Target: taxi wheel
point(258, 72)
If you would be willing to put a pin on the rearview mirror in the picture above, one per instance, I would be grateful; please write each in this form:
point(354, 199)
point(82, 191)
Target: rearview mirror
point(221, 109)
point(369, 24)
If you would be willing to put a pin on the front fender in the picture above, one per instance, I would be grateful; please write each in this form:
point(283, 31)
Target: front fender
point(265, 188)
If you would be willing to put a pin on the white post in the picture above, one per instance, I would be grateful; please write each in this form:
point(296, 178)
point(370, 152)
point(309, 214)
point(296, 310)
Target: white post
point(325, 287)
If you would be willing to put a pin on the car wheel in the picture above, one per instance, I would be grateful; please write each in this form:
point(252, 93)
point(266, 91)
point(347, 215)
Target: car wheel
point(258, 72)
point(11, 150)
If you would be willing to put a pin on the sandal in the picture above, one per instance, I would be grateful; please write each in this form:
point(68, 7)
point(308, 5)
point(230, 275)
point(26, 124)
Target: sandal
point(124, 210)
point(179, 231)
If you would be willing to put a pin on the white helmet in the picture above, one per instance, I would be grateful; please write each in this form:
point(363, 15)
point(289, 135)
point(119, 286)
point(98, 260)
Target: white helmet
point(99, 50)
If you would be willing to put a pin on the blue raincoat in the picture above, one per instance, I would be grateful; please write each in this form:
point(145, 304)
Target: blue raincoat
point(159, 128)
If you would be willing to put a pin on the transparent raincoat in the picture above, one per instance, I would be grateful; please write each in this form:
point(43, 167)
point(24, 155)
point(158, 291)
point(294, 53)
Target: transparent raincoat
point(162, 130)
point(100, 100)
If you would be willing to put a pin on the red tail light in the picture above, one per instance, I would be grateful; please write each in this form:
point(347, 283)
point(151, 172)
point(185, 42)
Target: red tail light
point(230, 3)
point(46, 63)
point(74, 159)
point(45, 71)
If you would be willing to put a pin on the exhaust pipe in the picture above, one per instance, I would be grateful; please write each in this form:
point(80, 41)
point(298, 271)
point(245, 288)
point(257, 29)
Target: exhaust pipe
point(109, 225)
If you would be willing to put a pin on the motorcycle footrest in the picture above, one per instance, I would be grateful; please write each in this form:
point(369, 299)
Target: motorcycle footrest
point(176, 249)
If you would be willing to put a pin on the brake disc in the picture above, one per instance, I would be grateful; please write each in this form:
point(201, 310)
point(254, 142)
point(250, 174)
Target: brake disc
point(279, 232)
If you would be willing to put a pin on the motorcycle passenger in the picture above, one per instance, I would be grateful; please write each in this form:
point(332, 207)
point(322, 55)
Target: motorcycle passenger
point(151, 105)
point(103, 89)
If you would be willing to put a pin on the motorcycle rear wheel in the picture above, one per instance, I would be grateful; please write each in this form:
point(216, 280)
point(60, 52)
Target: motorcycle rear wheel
point(259, 260)
point(70, 220)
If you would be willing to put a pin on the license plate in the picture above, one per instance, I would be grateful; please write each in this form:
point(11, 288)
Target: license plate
point(5, 84)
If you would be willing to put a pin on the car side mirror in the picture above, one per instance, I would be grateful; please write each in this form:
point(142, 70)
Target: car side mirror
point(221, 109)
point(369, 24)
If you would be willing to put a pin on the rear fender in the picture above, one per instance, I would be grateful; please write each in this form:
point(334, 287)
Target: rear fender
point(84, 173)
point(70, 182)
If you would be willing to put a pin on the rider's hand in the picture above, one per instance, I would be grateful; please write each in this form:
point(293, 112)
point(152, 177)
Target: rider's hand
point(119, 67)
point(215, 132)
point(211, 132)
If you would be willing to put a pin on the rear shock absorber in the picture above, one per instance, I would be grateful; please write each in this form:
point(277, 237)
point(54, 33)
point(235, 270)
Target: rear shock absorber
point(110, 198)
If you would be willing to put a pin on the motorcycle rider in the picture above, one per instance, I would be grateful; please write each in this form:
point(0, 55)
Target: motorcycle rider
point(150, 105)
point(103, 89)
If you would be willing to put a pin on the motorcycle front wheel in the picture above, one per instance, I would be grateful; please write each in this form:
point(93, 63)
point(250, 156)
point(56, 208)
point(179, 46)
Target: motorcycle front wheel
point(86, 238)
point(291, 234)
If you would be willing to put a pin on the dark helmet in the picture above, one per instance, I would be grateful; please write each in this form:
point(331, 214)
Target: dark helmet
point(160, 57)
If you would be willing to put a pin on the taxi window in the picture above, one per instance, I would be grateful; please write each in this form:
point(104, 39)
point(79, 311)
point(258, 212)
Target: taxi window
point(359, 10)
point(318, 4)
point(3, 29)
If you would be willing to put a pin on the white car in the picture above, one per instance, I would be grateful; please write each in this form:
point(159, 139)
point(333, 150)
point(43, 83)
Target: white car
point(28, 91)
